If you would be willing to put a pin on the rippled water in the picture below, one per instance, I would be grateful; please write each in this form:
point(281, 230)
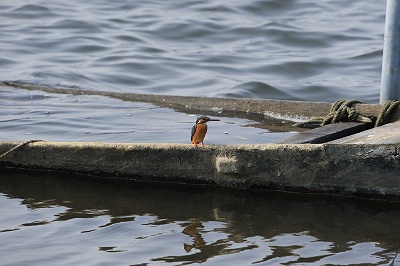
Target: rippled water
point(278, 49)
point(292, 50)
point(59, 220)
point(307, 50)
point(57, 117)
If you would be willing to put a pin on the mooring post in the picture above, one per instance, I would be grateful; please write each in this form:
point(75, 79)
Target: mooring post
point(390, 82)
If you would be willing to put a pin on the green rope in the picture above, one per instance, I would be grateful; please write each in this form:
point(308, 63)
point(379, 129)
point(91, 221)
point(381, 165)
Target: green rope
point(386, 112)
point(343, 110)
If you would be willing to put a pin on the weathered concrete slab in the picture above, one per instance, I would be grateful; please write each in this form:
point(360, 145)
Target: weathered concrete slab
point(326, 133)
point(367, 165)
point(369, 170)
point(285, 110)
point(386, 134)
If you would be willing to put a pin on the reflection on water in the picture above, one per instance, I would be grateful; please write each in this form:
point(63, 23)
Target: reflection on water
point(59, 220)
point(193, 230)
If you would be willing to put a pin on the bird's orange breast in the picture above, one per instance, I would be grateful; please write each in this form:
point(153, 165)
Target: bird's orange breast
point(200, 133)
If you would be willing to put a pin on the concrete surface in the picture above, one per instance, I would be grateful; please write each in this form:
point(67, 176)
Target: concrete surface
point(285, 110)
point(386, 134)
point(364, 164)
point(370, 170)
point(326, 133)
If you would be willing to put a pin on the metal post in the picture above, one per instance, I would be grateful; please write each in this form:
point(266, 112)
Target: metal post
point(390, 83)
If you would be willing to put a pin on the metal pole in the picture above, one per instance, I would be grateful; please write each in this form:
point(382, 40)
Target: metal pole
point(390, 82)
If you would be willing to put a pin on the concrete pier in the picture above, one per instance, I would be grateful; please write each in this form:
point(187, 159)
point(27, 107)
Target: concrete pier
point(367, 169)
point(262, 108)
point(363, 164)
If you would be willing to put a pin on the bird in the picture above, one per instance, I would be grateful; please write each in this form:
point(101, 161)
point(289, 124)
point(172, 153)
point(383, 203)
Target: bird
point(199, 130)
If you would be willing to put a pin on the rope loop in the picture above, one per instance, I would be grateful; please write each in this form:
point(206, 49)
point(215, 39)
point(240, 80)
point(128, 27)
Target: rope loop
point(344, 110)
point(386, 112)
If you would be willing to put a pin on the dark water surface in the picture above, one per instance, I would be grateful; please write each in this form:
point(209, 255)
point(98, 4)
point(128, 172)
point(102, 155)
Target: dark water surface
point(49, 219)
point(278, 49)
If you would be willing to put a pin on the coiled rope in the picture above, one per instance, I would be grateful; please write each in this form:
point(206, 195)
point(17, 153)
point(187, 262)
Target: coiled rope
point(343, 110)
point(19, 146)
point(386, 112)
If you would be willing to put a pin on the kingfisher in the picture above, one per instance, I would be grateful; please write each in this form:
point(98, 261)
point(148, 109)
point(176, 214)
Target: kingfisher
point(199, 130)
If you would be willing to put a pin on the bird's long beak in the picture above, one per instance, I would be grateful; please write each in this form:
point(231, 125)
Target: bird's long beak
point(214, 120)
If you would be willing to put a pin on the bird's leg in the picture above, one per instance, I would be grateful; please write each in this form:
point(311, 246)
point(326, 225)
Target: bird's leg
point(202, 143)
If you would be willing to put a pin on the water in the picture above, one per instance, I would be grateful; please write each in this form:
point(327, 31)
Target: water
point(65, 220)
point(57, 117)
point(291, 50)
point(304, 50)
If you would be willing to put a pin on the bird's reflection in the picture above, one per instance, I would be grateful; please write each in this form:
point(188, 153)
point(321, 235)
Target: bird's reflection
point(192, 230)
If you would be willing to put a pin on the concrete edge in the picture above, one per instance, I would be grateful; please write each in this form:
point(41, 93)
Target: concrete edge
point(297, 111)
point(369, 170)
